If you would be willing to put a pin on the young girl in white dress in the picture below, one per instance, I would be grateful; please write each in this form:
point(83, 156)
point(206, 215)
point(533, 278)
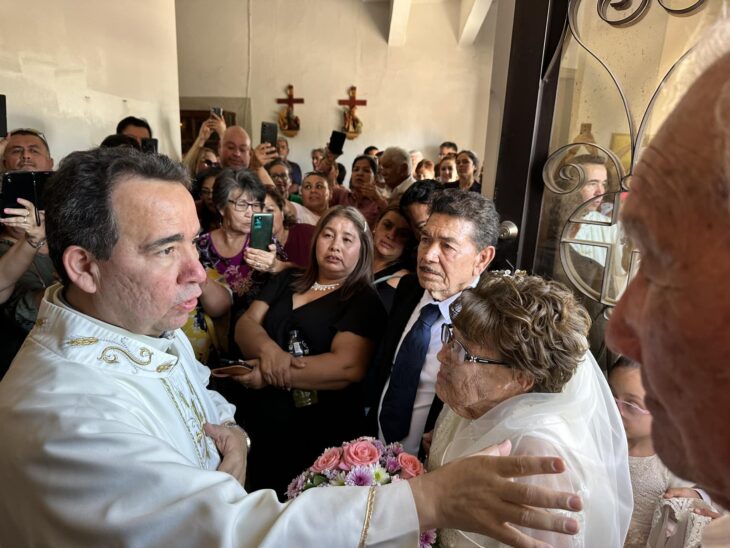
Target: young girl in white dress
point(651, 480)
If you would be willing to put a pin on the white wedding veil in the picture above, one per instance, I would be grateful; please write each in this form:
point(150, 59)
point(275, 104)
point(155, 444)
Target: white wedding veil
point(582, 425)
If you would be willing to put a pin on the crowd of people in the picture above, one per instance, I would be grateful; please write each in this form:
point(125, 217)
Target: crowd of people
point(369, 311)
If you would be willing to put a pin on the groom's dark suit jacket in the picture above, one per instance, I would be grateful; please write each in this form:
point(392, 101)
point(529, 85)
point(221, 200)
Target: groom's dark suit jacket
point(407, 296)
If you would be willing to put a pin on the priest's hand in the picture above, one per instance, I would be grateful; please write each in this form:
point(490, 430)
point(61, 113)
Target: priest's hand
point(231, 443)
point(477, 494)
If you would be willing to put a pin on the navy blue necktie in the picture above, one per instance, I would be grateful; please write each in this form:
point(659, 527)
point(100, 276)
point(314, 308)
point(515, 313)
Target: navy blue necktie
point(397, 408)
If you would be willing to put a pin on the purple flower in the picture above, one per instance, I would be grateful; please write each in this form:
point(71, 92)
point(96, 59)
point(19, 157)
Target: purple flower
point(392, 465)
point(360, 476)
point(379, 445)
point(330, 474)
point(295, 487)
point(427, 539)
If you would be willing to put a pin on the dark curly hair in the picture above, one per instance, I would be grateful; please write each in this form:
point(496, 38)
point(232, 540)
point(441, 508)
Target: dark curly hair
point(537, 326)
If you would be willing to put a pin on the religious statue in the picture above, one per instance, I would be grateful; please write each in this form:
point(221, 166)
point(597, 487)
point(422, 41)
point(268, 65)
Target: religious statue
point(351, 124)
point(287, 120)
point(289, 123)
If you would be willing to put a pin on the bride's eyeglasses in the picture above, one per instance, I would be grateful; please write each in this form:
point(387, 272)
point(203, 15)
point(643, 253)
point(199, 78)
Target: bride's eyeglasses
point(458, 353)
point(629, 408)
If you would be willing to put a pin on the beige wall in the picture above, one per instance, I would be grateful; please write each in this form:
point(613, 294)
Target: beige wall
point(418, 95)
point(640, 56)
point(82, 65)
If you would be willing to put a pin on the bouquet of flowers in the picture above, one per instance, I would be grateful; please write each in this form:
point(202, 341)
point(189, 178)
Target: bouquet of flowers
point(362, 462)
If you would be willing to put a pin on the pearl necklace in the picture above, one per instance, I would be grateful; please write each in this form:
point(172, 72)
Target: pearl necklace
point(323, 287)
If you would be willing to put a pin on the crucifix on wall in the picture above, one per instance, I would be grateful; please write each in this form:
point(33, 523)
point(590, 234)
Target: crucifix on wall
point(288, 122)
point(352, 125)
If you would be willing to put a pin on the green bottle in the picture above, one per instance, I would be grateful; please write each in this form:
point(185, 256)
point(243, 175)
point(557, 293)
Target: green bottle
point(298, 348)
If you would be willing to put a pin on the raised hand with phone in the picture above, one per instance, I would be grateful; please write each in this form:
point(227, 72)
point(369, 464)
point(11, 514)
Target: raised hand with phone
point(266, 151)
point(215, 123)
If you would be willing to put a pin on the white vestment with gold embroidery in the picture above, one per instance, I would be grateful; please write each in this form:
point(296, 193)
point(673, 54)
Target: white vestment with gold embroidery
point(103, 445)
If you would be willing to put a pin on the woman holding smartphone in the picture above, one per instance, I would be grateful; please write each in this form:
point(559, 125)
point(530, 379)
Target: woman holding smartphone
point(238, 195)
point(332, 309)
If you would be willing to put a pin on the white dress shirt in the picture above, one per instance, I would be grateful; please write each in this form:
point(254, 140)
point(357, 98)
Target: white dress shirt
point(402, 187)
point(427, 382)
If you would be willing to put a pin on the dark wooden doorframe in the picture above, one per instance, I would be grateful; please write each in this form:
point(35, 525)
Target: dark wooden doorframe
point(532, 82)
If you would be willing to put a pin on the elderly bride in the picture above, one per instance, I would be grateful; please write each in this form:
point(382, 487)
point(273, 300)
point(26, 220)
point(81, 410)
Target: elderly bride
point(515, 366)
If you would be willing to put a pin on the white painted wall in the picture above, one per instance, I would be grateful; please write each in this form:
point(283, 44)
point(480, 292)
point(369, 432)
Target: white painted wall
point(420, 94)
point(74, 68)
point(640, 56)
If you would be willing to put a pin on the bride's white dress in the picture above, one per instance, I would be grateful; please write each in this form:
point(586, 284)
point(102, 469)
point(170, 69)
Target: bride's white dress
point(580, 424)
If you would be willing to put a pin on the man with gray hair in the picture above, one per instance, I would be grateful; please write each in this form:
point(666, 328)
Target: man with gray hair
point(395, 168)
point(457, 244)
point(416, 156)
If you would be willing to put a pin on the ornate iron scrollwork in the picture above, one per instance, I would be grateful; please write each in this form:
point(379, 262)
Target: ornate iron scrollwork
point(637, 9)
point(564, 177)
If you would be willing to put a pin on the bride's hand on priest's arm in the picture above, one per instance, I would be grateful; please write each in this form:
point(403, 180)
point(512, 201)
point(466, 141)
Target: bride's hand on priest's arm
point(230, 440)
point(477, 494)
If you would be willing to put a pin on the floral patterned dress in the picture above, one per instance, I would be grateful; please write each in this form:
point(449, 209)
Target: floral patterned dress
point(245, 283)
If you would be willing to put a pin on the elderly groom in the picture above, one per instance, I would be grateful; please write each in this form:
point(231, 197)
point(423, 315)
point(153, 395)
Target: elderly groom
point(110, 437)
point(457, 244)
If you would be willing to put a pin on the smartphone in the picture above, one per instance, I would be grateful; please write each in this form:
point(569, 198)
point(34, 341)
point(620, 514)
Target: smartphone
point(269, 133)
point(3, 117)
point(218, 111)
point(337, 140)
point(149, 145)
point(232, 368)
point(262, 226)
point(23, 184)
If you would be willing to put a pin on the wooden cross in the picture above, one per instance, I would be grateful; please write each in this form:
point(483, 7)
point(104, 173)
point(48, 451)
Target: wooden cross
point(290, 99)
point(353, 100)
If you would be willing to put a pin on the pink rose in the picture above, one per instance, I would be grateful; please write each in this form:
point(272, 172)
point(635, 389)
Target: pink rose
point(329, 460)
point(410, 466)
point(359, 453)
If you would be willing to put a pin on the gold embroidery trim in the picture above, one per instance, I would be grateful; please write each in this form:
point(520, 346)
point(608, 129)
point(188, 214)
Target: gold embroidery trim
point(107, 355)
point(82, 341)
point(165, 367)
point(368, 517)
point(194, 405)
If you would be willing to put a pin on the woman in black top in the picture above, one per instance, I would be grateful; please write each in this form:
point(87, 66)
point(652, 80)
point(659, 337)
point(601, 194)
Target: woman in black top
point(393, 245)
point(338, 315)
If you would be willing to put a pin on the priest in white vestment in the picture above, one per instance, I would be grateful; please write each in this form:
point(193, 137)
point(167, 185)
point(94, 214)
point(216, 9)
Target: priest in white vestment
point(110, 437)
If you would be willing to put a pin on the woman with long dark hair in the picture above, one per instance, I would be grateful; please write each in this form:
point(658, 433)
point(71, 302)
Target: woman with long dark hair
point(312, 401)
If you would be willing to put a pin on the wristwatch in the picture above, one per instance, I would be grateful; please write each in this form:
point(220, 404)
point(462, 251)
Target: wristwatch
point(231, 424)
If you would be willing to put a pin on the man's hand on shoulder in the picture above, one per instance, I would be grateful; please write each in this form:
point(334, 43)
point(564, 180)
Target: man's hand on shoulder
point(477, 494)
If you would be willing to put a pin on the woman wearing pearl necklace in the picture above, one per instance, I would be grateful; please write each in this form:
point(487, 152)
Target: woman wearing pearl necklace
point(337, 312)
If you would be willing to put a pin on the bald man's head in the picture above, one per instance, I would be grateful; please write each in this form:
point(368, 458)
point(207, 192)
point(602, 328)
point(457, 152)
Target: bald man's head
point(235, 148)
point(674, 314)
